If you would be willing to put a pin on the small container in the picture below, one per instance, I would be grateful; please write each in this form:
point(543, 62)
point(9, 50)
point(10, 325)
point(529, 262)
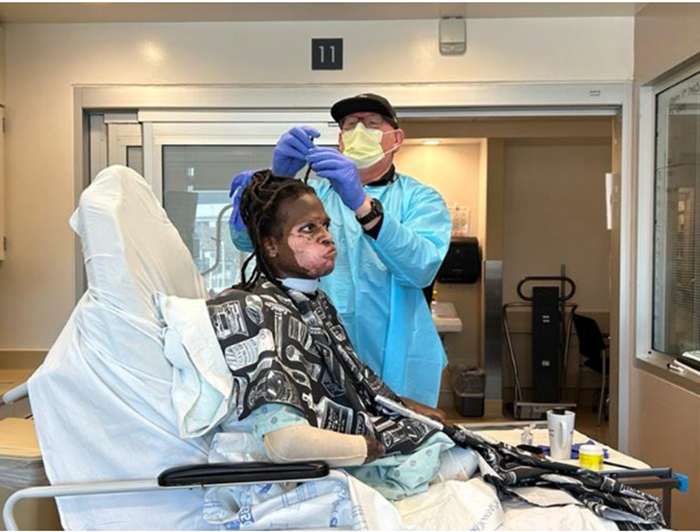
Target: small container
point(591, 457)
point(526, 437)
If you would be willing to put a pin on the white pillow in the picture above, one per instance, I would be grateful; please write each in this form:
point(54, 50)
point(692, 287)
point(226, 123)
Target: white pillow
point(202, 382)
point(131, 248)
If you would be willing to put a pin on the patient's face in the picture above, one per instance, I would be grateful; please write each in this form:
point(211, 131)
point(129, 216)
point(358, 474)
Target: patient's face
point(305, 248)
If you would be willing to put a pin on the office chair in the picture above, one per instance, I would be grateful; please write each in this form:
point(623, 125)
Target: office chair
point(593, 350)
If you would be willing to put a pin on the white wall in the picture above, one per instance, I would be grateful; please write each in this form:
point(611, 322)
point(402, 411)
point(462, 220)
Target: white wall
point(453, 170)
point(555, 214)
point(2, 65)
point(665, 36)
point(45, 62)
point(2, 151)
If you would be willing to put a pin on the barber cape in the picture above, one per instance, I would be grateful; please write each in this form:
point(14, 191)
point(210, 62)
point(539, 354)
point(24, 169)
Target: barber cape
point(287, 347)
point(290, 348)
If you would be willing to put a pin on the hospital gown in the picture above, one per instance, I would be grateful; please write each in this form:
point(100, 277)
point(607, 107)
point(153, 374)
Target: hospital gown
point(286, 347)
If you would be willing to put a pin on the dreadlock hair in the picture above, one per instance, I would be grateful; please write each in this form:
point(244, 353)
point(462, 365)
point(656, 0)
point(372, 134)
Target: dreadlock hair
point(259, 207)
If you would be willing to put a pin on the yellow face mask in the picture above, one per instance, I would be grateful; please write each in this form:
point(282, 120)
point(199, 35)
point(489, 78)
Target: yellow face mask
point(364, 145)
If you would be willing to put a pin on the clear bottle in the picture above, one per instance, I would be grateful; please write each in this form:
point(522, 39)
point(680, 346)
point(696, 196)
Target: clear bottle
point(526, 437)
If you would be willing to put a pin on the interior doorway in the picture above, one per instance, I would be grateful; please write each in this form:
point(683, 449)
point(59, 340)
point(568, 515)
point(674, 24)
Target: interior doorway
point(533, 190)
point(482, 105)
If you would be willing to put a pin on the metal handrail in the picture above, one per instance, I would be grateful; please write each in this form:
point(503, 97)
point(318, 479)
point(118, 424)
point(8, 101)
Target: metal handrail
point(547, 278)
point(103, 488)
point(16, 394)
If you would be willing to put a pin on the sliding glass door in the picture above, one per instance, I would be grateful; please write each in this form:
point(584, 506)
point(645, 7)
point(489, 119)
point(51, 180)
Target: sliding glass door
point(189, 161)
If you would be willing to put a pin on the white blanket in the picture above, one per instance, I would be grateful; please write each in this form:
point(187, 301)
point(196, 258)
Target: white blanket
point(101, 400)
point(341, 501)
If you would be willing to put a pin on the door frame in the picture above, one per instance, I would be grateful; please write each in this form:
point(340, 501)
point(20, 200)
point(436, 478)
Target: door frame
point(410, 100)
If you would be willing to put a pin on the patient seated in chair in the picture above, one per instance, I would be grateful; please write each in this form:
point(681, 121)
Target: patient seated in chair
point(295, 371)
point(292, 385)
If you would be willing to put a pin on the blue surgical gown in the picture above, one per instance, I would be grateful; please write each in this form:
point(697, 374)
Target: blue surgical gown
point(377, 284)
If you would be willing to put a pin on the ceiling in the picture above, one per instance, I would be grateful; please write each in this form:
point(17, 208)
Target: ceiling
point(54, 13)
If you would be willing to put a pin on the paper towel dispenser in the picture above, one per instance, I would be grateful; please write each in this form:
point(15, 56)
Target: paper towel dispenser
point(462, 263)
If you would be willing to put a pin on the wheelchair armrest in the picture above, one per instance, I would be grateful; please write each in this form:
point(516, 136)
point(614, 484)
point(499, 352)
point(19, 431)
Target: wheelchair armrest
point(243, 473)
point(183, 477)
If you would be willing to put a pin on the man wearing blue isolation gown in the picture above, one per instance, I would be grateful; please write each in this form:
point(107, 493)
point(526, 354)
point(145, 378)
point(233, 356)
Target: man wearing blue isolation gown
point(392, 234)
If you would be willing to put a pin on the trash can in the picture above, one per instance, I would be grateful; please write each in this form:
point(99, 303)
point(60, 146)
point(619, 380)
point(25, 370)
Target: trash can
point(468, 388)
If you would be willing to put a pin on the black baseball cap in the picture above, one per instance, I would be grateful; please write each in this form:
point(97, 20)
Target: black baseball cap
point(363, 103)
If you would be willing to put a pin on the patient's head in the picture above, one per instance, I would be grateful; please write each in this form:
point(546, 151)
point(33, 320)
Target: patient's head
point(288, 227)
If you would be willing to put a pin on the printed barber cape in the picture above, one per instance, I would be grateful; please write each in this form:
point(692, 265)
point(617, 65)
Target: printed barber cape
point(286, 347)
point(509, 469)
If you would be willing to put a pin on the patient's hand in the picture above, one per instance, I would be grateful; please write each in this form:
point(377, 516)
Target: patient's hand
point(375, 449)
point(434, 413)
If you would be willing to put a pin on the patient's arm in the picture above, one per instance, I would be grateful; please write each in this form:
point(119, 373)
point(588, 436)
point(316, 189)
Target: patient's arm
point(301, 443)
point(434, 413)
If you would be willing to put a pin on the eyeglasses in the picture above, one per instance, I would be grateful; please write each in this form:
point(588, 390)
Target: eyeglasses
point(372, 122)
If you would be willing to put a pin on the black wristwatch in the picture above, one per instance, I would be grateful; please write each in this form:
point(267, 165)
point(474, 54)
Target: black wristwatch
point(376, 211)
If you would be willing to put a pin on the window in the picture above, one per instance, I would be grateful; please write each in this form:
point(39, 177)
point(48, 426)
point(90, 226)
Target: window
point(676, 257)
point(134, 158)
point(196, 181)
point(189, 159)
point(191, 168)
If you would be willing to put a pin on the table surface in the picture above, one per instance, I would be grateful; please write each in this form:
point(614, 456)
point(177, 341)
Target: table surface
point(507, 434)
point(18, 440)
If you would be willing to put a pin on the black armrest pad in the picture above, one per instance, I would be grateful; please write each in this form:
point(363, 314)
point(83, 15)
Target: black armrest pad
point(252, 472)
point(689, 362)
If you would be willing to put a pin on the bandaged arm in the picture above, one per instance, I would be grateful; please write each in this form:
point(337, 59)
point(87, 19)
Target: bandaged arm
point(303, 443)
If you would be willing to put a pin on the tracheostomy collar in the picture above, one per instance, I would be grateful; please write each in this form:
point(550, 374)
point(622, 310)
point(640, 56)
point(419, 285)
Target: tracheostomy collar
point(305, 286)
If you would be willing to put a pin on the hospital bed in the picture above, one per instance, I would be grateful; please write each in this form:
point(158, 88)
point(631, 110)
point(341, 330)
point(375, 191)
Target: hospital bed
point(118, 460)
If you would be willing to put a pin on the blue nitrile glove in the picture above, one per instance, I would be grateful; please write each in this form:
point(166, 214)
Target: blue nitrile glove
point(341, 171)
point(238, 186)
point(290, 152)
